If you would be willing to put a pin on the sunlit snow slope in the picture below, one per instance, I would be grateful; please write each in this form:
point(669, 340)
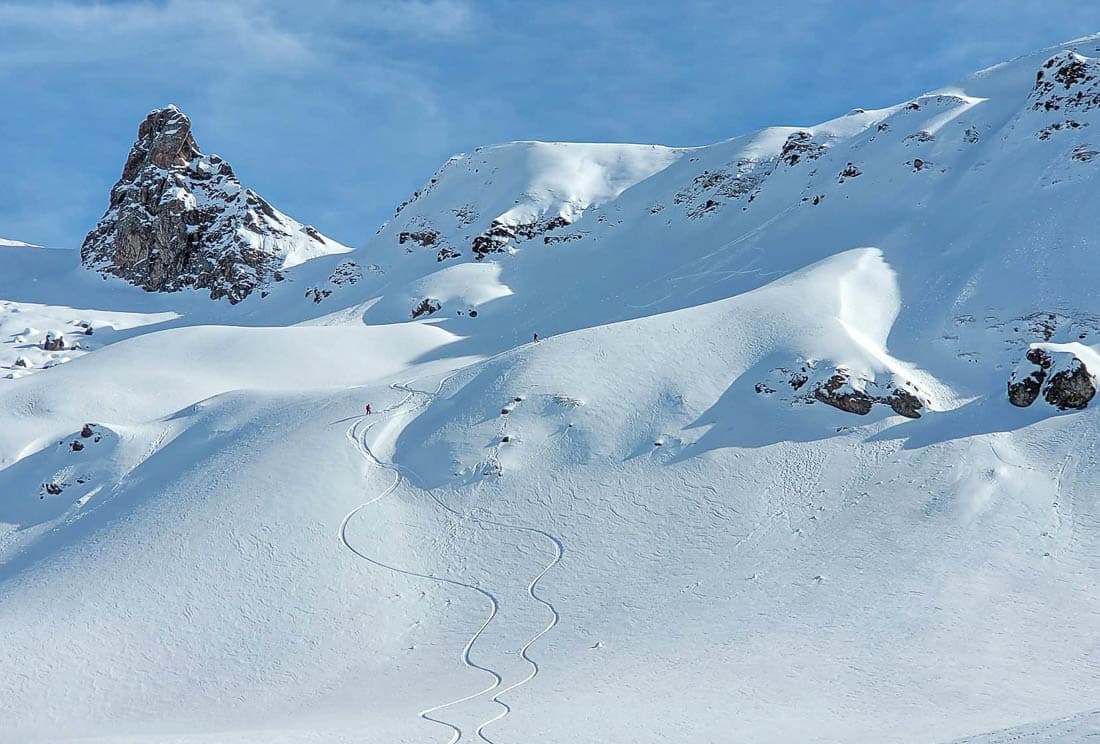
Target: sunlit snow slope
point(760, 480)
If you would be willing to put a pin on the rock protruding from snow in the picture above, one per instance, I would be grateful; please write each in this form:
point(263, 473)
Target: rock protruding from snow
point(180, 219)
point(427, 306)
point(1061, 377)
point(1027, 379)
point(1071, 386)
point(840, 390)
point(1067, 81)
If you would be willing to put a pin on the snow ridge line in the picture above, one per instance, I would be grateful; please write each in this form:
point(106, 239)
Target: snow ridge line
point(558, 550)
point(426, 714)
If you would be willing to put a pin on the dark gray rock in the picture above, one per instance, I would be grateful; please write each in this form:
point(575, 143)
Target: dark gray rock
point(1072, 387)
point(427, 306)
point(903, 403)
point(1025, 385)
point(838, 393)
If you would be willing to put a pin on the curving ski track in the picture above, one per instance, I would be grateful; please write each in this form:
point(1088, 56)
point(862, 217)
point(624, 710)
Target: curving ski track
point(427, 714)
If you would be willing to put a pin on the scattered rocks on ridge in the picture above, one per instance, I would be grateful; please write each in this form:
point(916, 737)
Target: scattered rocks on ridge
point(801, 146)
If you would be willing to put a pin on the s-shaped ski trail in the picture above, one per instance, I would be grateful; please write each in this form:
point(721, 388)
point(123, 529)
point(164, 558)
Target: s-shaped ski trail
point(359, 439)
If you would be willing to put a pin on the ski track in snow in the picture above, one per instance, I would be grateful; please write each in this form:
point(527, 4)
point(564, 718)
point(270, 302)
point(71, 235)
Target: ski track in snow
point(358, 438)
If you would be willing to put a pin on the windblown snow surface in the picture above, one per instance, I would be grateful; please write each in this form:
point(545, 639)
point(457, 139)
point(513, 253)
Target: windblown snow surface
point(636, 530)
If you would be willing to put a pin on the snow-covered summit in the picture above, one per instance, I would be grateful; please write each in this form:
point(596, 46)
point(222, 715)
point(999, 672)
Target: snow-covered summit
point(178, 218)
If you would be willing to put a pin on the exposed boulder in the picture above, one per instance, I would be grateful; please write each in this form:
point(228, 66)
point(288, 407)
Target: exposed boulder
point(850, 171)
point(54, 342)
point(1063, 380)
point(179, 219)
point(1072, 387)
point(427, 306)
point(838, 392)
point(903, 403)
point(1027, 380)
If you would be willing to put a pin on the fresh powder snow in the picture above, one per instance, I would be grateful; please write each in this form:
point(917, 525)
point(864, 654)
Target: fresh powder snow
point(788, 438)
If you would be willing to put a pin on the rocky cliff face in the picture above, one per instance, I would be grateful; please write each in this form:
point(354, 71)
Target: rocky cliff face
point(180, 219)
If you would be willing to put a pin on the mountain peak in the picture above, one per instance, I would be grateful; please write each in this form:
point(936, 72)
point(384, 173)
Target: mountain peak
point(178, 218)
point(164, 139)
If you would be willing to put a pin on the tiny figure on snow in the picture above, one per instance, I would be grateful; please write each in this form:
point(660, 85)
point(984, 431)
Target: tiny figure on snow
point(368, 409)
point(536, 338)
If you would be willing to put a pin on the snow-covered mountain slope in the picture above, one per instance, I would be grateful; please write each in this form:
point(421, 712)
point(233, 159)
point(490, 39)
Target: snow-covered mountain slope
point(807, 452)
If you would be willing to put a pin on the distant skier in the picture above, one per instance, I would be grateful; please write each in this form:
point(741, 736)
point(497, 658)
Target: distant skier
point(536, 338)
point(368, 409)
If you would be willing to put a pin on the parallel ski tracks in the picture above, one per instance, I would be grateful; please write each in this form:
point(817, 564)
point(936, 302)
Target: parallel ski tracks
point(357, 433)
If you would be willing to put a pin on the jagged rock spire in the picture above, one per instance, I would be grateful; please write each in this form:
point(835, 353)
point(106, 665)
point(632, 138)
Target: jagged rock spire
point(179, 219)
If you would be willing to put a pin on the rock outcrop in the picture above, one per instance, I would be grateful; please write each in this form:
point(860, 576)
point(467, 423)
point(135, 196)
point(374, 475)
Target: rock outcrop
point(1060, 377)
point(1027, 381)
point(180, 219)
point(1071, 387)
point(838, 392)
point(837, 388)
point(427, 306)
point(1067, 81)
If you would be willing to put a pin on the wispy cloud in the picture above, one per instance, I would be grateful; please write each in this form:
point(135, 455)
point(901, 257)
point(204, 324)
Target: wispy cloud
point(438, 19)
point(178, 32)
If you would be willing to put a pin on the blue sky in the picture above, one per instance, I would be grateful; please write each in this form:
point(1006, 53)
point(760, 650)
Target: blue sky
point(336, 111)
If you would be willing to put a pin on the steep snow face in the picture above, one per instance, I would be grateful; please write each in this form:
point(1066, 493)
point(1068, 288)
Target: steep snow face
point(807, 452)
point(526, 189)
point(488, 205)
point(178, 218)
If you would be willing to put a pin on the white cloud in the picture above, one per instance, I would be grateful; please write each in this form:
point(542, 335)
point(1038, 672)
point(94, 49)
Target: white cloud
point(194, 31)
point(424, 18)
